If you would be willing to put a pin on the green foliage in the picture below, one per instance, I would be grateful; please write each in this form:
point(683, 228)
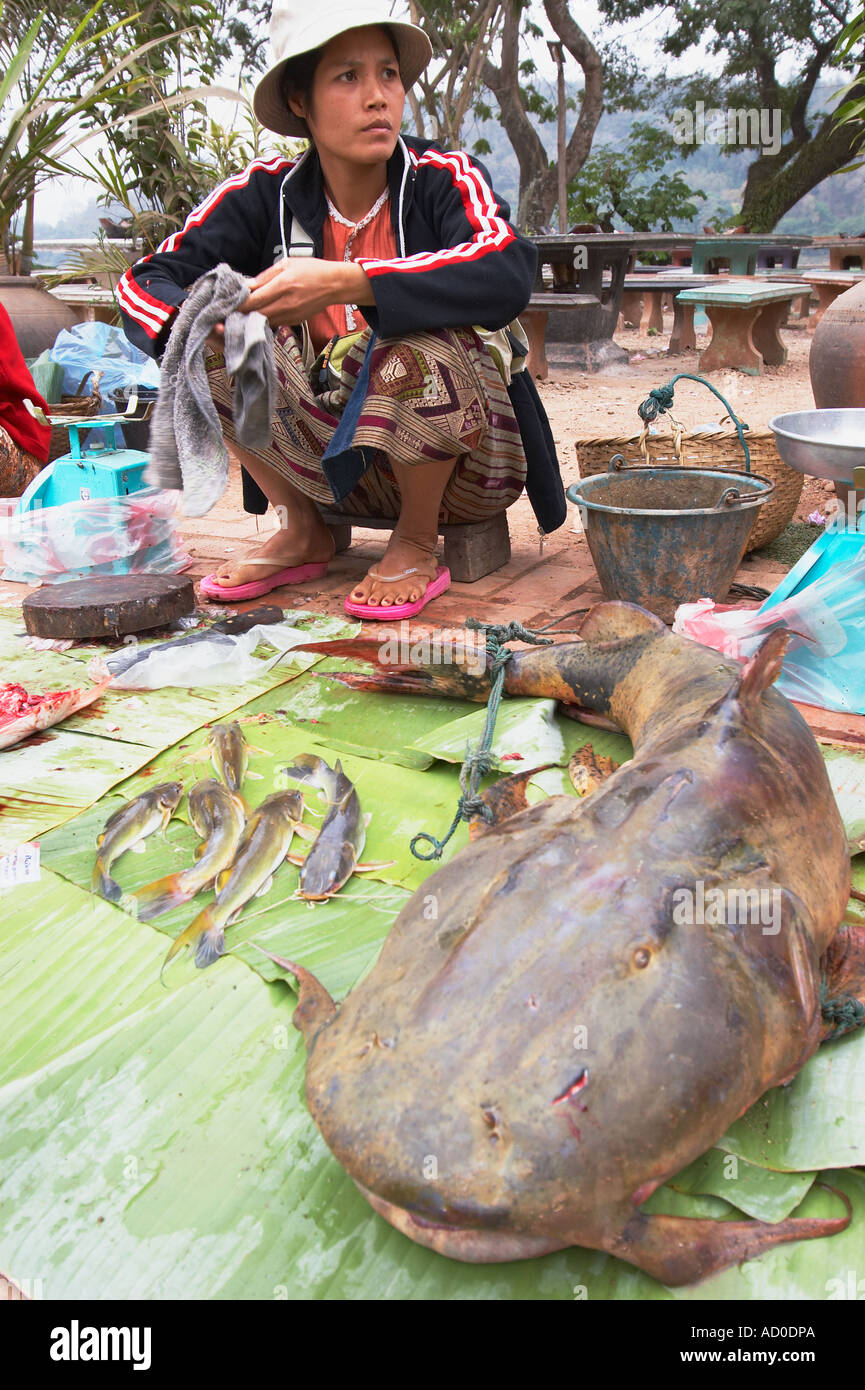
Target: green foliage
point(772, 58)
point(851, 41)
point(627, 187)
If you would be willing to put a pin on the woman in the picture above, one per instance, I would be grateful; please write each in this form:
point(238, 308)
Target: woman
point(391, 402)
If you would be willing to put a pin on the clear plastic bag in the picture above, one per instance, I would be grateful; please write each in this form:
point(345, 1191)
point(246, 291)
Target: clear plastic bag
point(825, 661)
point(134, 534)
point(88, 347)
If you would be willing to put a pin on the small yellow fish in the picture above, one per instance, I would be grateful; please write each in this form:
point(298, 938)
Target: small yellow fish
point(129, 826)
point(230, 755)
point(264, 845)
point(219, 817)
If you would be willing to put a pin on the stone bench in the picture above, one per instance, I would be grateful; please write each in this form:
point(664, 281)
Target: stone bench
point(655, 288)
point(534, 320)
point(471, 550)
point(745, 319)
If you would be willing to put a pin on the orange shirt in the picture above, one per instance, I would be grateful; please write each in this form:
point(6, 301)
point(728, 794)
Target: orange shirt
point(374, 236)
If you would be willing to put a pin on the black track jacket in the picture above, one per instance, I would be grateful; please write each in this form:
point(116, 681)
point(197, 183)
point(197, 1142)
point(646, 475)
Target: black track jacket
point(459, 262)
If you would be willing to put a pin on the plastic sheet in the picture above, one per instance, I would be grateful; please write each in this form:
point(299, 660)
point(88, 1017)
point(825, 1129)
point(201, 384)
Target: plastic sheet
point(825, 661)
point(218, 659)
point(134, 534)
point(102, 347)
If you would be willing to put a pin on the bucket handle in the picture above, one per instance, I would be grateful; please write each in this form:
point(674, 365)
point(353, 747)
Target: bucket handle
point(616, 462)
point(731, 495)
point(659, 401)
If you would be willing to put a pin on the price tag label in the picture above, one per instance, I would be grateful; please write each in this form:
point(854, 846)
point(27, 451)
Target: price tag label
point(21, 866)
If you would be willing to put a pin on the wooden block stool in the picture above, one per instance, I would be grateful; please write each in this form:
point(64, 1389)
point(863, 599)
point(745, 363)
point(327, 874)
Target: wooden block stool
point(471, 550)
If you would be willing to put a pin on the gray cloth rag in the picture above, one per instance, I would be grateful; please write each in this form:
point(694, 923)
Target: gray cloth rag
point(187, 449)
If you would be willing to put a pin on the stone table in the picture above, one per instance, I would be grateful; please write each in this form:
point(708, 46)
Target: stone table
point(742, 253)
point(580, 335)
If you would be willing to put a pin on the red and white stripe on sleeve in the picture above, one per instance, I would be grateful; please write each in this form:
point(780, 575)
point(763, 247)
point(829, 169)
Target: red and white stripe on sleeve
point(492, 233)
point(151, 313)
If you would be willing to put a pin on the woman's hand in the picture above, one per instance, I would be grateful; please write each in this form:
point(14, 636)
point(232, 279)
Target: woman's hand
point(296, 288)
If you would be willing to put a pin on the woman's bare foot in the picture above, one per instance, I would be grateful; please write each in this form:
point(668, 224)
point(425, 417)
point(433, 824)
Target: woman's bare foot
point(298, 543)
point(401, 555)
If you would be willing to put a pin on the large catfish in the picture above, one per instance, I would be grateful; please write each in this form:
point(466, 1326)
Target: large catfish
point(550, 1032)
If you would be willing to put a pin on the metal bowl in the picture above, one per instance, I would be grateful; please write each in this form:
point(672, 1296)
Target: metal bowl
point(824, 443)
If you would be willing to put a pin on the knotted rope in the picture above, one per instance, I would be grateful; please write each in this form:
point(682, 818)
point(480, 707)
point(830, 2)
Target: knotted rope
point(844, 1011)
point(480, 760)
point(658, 402)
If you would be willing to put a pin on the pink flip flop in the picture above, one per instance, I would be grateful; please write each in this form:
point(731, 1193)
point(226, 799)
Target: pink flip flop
point(298, 575)
point(381, 612)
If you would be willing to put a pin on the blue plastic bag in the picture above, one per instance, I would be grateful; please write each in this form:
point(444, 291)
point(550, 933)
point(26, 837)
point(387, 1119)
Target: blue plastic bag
point(88, 347)
point(825, 660)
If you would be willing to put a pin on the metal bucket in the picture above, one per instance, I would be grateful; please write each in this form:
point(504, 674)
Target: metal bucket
point(664, 536)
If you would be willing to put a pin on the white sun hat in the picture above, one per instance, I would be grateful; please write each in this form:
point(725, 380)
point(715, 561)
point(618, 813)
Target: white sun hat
point(299, 26)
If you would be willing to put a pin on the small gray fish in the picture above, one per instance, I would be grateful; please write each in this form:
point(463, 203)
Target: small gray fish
point(339, 843)
point(219, 818)
point(230, 755)
point(128, 827)
point(264, 846)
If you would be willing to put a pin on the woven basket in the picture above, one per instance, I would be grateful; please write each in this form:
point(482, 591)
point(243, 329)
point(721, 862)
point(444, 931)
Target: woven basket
point(73, 407)
point(714, 447)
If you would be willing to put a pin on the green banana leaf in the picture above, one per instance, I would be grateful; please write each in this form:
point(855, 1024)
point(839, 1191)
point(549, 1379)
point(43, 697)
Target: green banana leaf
point(155, 1143)
point(817, 1121)
point(759, 1192)
point(847, 775)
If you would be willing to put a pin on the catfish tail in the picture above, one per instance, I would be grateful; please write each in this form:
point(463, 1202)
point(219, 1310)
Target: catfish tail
point(204, 925)
point(162, 895)
point(102, 883)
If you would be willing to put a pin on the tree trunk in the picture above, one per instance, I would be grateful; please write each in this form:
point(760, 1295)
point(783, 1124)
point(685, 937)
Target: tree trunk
point(25, 260)
point(538, 177)
point(775, 183)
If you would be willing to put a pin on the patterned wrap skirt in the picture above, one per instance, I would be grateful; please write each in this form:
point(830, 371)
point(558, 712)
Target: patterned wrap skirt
point(432, 396)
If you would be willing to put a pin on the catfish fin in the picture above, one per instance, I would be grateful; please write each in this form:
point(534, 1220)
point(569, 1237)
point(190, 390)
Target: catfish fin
point(102, 883)
point(761, 669)
point(371, 868)
point(503, 800)
point(196, 927)
point(161, 896)
point(211, 945)
point(297, 859)
point(588, 769)
point(682, 1249)
point(221, 879)
point(844, 981)
point(306, 832)
point(615, 620)
point(265, 887)
point(315, 1007)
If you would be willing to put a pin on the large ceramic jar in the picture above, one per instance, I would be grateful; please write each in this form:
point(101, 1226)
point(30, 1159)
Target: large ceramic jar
point(36, 315)
point(838, 352)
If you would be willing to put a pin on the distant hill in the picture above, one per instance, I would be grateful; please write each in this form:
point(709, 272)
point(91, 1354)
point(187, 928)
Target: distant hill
point(836, 205)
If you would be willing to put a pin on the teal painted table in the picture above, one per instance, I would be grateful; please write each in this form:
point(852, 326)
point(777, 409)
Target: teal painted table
point(746, 316)
point(741, 254)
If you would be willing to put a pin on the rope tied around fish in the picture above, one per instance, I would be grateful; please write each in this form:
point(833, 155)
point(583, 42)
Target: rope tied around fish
point(844, 1011)
point(480, 761)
